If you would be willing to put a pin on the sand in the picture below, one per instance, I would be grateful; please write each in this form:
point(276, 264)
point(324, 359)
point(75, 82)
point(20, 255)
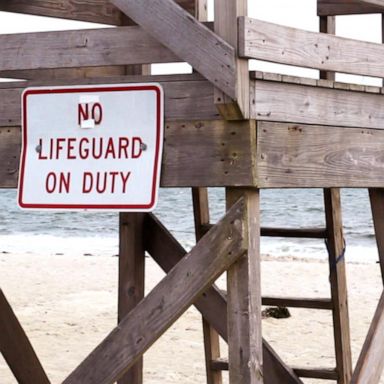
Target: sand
point(67, 305)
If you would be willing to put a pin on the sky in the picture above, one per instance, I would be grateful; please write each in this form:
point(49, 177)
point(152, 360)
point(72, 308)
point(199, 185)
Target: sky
point(294, 13)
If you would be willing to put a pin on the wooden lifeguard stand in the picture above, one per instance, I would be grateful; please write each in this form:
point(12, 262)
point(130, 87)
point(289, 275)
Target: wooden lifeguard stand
point(225, 127)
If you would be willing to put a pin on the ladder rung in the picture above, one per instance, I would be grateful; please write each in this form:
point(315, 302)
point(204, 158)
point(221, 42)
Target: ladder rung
point(316, 373)
point(219, 365)
point(298, 302)
point(303, 233)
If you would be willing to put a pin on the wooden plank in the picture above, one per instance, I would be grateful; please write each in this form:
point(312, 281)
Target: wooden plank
point(377, 207)
point(210, 153)
point(226, 154)
point(272, 42)
point(295, 302)
point(300, 233)
point(17, 349)
point(187, 97)
point(348, 7)
point(89, 47)
point(167, 252)
point(284, 102)
point(96, 11)
point(131, 277)
point(245, 355)
point(166, 303)
point(226, 14)
point(370, 364)
point(317, 373)
point(338, 281)
point(194, 43)
point(302, 156)
point(211, 337)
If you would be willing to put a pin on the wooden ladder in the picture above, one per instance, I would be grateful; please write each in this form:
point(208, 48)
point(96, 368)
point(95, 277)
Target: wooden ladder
point(337, 303)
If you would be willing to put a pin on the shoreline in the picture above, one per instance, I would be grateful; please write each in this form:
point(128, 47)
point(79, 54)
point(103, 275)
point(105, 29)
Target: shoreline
point(68, 304)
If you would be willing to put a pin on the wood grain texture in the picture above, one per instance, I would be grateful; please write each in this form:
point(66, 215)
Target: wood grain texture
point(370, 364)
point(219, 249)
point(377, 207)
point(296, 302)
point(338, 281)
point(203, 153)
point(131, 277)
point(208, 153)
point(194, 43)
point(275, 101)
point(286, 45)
point(97, 11)
point(187, 97)
point(167, 252)
point(303, 156)
point(245, 355)
point(200, 201)
point(79, 48)
point(17, 349)
point(348, 7)
point(226, 14)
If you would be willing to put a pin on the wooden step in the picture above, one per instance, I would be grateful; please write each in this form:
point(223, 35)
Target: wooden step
point(316, 373)
point(321, 303)
point(310, 373)
point(300, 233)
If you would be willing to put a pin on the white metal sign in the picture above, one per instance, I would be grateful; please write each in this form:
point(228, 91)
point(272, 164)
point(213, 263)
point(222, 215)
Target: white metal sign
point(96, 147)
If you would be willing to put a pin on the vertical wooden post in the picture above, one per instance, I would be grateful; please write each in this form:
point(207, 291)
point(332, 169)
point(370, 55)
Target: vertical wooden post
point(336, 248)
point(226, 26)
point(244, 298)
point(377, 206)
point(131, 260)
point(211, 337)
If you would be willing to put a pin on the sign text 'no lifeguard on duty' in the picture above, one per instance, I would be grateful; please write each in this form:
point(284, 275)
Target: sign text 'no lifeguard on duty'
point(95, 147)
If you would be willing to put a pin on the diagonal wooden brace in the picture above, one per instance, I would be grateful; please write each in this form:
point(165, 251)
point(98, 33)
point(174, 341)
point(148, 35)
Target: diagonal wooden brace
point(167, 252)
point(141, 327)
point(187, 38)
point(17, 349)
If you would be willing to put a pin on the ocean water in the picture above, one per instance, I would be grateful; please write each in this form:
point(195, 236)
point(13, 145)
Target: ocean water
point(96, 233)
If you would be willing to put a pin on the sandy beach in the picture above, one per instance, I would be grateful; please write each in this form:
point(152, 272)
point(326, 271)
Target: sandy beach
point(67, 305)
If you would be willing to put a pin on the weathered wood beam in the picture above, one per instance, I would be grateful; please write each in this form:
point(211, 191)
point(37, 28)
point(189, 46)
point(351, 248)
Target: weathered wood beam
point(307, 156)
point(376, 196)
point(167, 252)
point(81, 48)
point(296, 302)
point(226, 152)
point(214, 254)
point(131, 285)
point(17, 349)
point(277, 101)
point(194, 43)
point(187, 97)
point(96, 11)
point(338, 281)
point(276, 43)
point(226, 14)
point(348, 7)
point(317, 373)
point(370, 364)
point(245, 350)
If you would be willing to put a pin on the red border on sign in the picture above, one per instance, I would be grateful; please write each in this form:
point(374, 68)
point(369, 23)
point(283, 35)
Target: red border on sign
point(156, 173)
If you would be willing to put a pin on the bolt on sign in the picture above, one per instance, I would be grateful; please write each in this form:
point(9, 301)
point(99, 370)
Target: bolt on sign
point(93, 147)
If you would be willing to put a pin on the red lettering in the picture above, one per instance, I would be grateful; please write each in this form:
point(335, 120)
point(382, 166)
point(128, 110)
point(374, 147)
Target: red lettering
point(96, 155)
point(83, 114)
point(59, 184)
point(137, 147)
point(123, 147)
point(70, 148)
point(41, 157)
point(97, 113)
point(87, 182)
point(124, 179)
point(83, 152)
point(101, 186)
point(59, 146)
point(50, 182)
point(113, 177)
point(110, 149)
